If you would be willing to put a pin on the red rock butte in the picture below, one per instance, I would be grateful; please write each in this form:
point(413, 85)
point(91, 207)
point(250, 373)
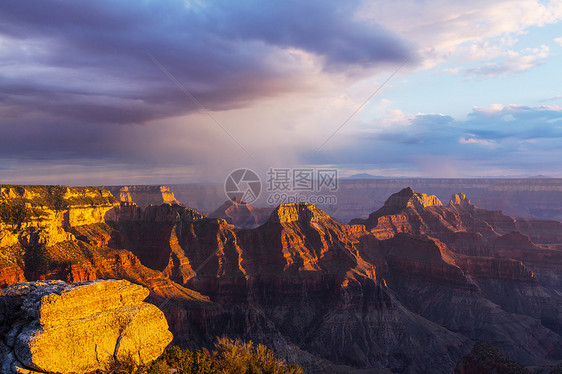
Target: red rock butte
point(332, 296)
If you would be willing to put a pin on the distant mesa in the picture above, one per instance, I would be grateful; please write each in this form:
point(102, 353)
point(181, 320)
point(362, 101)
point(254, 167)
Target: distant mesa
point(522, 197)
point(459, 199)
point(539, 176)
point(241, 214)
point(407, 208)
point(407, 198)
point(301, 212)
point(417, 213)
point(414, 274)
point(144, 196)
point(364, 176)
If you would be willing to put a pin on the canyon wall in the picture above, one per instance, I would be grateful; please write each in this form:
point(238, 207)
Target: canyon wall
point(410, 288)
point(143, 196)
point(357, 198)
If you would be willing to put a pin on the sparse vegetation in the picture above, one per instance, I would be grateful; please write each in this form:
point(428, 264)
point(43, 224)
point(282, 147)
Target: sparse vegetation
point(228, 357)
point(14, 213)
point(489, 358)
point(124, 366)
point(55, 197)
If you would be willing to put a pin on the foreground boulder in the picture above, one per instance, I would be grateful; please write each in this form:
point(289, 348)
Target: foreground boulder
point(53, 326)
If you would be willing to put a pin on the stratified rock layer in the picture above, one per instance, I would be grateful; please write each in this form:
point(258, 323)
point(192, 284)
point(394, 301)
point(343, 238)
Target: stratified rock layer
point(241, 214)
point(143, 196)
point(409, 289)
point(53, 326)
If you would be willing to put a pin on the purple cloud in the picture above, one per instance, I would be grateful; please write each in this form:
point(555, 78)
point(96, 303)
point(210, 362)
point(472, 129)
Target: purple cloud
point(77, 79)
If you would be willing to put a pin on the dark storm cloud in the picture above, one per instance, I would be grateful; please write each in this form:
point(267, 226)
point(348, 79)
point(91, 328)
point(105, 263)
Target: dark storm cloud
point(218, 47)
point(45, 139)
point(323, 27)
point(72, 70)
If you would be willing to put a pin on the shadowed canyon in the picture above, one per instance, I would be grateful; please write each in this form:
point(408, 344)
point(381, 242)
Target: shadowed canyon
point(410, 287)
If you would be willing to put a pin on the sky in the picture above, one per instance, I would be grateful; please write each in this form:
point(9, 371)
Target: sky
point(163, 92)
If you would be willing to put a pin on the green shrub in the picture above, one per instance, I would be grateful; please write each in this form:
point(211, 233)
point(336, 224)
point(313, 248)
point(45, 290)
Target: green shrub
point(124, 366)
point(14, 213)
point(158, 367)
point(229, 356)
point(235, 356)
point(55, 197)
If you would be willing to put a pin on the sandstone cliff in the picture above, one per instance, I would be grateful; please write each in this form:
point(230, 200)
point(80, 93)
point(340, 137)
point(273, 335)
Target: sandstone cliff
point(241, 214)
point(410, 288)
point(57, 327)
point(44, 214)
point(469, 230)
point(143, 196)
point(63, 233)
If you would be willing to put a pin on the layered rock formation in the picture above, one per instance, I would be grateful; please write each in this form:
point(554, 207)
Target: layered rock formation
point(523, 197)
point(57, 327)
point(143, 196)
point(410, 288)
point(45, 214)
point(241, 214)
point(303, 274)
point(300, 250)
point(471, 231)
point(64, 234)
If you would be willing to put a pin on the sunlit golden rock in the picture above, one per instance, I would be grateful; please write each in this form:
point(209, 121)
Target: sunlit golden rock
point(82, 327)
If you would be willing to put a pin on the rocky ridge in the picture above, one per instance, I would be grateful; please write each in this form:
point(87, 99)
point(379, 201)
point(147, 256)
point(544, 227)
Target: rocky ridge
point(521, 197)
point(66, 234)
point(44, 214)
point(143, 196)
point(366, 295)
point(241, 214)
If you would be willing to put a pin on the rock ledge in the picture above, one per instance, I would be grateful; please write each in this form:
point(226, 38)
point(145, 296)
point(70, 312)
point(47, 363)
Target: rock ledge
point(53, 326)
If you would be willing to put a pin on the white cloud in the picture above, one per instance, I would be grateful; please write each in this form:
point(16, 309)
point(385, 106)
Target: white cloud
point(491, 109)
point(466, 30)
point(558, 40)
point(515, 62)
point(515, 108)
point(553, 98)
point(484, 142)
point(453, 71)
point(496, 140)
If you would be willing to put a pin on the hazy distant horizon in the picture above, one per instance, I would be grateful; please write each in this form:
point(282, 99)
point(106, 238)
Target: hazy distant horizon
point(344, 178)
